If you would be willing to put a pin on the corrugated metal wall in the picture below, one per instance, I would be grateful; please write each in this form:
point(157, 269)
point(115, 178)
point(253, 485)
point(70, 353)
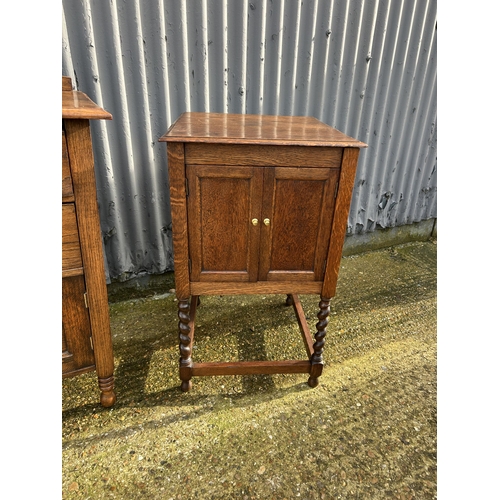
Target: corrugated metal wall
point(367, 68)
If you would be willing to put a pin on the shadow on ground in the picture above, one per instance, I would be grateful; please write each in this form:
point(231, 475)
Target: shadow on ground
point(367, 431)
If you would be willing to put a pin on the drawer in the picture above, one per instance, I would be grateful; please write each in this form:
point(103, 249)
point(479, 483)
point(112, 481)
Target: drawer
point(67, 183)
point(71, 255)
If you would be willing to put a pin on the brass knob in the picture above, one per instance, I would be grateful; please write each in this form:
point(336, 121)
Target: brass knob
point(267, 222)
point(255, 221)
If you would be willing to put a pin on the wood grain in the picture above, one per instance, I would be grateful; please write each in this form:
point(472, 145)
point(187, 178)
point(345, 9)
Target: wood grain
point(71, 255)
point(223, 242)
point(67, 182)
point(295, 223)
point(342, 206)
point(82, 170)
point(77, 105)
point(67, 273)
point(76, 346)
point(289, 276)
point(250, 367)
point(178, 204)
point(268, 156)
point(299, 203)
point(258, 287)
point(67, 86)
point(226, 128)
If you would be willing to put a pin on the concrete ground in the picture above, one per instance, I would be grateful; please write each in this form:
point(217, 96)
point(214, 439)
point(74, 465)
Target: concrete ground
point(368, 431)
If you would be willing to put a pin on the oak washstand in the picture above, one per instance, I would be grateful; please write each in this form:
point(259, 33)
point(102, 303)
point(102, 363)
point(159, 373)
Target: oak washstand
point(86, 332)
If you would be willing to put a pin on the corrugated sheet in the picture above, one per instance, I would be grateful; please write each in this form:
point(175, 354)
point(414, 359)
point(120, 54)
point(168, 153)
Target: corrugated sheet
point(367, 68)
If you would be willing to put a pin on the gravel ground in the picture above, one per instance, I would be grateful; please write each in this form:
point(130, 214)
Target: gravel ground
point(368, 431)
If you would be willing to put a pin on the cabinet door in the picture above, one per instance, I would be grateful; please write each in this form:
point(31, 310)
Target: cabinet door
point(299, 204)
point(77, 353)
point(223, 241)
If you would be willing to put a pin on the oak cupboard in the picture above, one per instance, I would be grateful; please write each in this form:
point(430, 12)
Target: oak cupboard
point(86, 333)
point(259, 205)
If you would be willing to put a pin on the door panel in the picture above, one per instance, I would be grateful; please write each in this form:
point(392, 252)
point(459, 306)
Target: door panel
point(299, 204)
point(77, 353)
point(223, 242)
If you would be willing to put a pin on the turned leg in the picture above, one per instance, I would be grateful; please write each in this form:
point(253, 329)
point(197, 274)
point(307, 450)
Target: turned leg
point(318, 347)
point(185, 362)
point(107, 387)
point(289, 300)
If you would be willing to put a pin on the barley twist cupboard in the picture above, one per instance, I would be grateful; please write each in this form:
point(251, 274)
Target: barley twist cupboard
point(259, 206)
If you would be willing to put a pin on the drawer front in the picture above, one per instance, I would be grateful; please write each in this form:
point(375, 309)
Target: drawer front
point(71, 254)
point(67, 183)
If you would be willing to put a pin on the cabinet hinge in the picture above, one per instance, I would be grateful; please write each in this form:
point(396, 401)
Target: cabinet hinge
point(86, 300)
point(336, 189)
point(189, 265)
point(91, 343)
point(324, 268)
point(187, 188)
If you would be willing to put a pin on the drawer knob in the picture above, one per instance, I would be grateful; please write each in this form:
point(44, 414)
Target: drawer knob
point(267, 222)
point(255, 221)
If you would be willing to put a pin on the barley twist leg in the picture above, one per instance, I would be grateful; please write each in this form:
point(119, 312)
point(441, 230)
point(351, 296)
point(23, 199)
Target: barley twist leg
point(317, 357)
point(185, 362)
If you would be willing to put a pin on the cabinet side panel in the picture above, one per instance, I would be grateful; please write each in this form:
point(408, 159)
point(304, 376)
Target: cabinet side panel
point(326, 221)
point(177, 179)
point(342, 206)
point(81, 161)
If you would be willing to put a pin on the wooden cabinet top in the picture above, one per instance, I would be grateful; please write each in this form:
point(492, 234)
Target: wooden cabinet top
point(223, 128)
point(78, 105)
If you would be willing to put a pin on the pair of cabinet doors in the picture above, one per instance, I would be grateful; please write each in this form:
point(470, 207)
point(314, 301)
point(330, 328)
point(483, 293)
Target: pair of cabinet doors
point(251, 223)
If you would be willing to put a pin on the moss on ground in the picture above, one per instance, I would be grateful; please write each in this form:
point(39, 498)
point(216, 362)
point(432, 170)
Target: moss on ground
point(367, 431)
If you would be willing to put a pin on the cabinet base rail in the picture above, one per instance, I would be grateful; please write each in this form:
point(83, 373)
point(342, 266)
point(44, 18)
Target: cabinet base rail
point(250, 367)
point(314, 348)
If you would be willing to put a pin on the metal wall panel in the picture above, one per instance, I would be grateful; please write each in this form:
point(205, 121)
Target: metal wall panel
point(366, 67)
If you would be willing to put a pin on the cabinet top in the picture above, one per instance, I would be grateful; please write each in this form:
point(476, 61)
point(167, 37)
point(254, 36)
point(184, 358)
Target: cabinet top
point(226, 128)
point(78, 105)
